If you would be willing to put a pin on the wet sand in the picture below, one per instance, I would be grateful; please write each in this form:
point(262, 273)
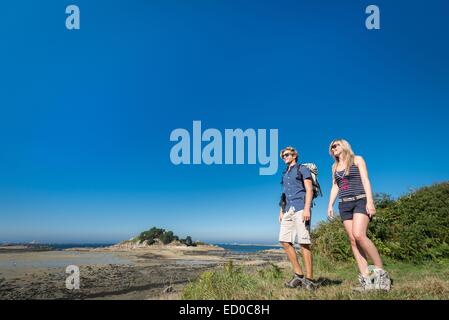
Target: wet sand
point(155, 272)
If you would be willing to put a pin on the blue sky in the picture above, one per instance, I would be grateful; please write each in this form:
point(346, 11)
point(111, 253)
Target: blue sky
point(86, 115)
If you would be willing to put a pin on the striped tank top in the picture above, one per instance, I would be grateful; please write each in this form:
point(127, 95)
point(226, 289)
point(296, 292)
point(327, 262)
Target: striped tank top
point(349, 185)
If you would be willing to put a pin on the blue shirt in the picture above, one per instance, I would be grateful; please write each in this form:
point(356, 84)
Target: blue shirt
point(295, 192)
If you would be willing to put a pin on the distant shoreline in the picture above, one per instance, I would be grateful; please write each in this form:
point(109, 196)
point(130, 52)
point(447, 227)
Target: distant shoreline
point(35, 247)
point(249, 244)
point(104, 244)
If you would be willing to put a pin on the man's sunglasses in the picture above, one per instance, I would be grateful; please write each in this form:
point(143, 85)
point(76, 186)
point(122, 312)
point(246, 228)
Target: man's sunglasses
point(285, 155)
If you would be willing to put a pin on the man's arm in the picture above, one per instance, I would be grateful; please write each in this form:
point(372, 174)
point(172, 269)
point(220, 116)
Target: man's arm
point(282, 204)
point(309, 196)
point(282, 201)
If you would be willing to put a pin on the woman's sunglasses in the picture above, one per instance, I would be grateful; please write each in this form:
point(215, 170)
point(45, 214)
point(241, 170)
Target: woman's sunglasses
point(334, 146)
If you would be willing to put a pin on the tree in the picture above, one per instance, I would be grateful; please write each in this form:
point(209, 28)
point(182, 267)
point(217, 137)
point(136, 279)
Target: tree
point(167, 237)
point(151, 235)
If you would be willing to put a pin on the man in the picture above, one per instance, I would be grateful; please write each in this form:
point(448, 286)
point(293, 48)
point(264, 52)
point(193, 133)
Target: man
point(295, 220)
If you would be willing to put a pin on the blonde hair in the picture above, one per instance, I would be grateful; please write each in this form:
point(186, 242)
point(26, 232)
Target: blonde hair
point(347, 153)
point(292, 150)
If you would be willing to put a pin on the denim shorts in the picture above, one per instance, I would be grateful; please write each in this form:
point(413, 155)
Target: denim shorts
point(348, 208)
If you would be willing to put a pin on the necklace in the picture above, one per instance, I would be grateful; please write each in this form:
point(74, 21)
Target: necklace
point(340, 176)
point(344, 172)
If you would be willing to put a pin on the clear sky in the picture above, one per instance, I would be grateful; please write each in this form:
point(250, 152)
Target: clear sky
point(86, 115)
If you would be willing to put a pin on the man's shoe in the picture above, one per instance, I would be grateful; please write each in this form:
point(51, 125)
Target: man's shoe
point(365, 284)
point(309, 284)
point(294, 282)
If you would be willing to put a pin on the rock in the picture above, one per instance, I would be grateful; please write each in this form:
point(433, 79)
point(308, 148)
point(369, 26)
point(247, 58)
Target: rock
point(168, 289)
point(130, 245)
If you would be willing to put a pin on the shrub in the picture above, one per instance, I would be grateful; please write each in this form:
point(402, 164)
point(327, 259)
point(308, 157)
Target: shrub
point(151, 235)
point(188, 242)
point(419, 224)
point(331, 240)
point(154, 233)
point(167, 237)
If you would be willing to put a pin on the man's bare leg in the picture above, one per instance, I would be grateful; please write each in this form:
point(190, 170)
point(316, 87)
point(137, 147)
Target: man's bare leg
point(307, 256)
point(292, 257)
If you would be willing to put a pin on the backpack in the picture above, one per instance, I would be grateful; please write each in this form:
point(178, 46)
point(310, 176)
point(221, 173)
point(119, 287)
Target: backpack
point(315, 184)
point(314, 172)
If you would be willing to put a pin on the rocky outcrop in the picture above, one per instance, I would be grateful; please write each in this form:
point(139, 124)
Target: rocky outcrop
point(130, 245)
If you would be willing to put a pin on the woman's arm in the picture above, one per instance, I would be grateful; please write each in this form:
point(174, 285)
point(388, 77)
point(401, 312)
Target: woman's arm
point(333, 196)
point(360, 163)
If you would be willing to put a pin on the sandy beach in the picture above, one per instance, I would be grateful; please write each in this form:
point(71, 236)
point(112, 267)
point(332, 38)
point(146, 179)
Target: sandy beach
point(154, 272)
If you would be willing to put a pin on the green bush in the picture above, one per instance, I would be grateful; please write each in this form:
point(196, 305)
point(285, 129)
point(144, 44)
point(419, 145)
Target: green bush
point(419, 224)
point(188, 242)
point(167, 237)
point(331, 240)
point(162, 235)
point(151, 235)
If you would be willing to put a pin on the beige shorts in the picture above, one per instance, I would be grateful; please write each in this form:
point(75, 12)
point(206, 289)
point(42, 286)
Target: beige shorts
point(294, 229)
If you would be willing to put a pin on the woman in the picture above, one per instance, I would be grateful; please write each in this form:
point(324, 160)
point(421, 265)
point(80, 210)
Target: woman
point(351, 184)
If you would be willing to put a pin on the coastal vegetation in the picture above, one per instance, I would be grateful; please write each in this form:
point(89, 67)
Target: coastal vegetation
point(154, 235)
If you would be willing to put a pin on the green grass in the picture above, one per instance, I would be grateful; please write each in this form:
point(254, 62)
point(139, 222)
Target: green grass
point(422, 281)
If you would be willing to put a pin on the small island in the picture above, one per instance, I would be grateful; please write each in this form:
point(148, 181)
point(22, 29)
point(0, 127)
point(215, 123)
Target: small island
point(157, 236)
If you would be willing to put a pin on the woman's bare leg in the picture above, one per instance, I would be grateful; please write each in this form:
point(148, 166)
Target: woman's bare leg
point(359, 255)
point(359, 226)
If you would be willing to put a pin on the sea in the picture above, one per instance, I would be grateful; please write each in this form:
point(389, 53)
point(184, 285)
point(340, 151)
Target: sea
point(246, 248)
point(233, 247)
